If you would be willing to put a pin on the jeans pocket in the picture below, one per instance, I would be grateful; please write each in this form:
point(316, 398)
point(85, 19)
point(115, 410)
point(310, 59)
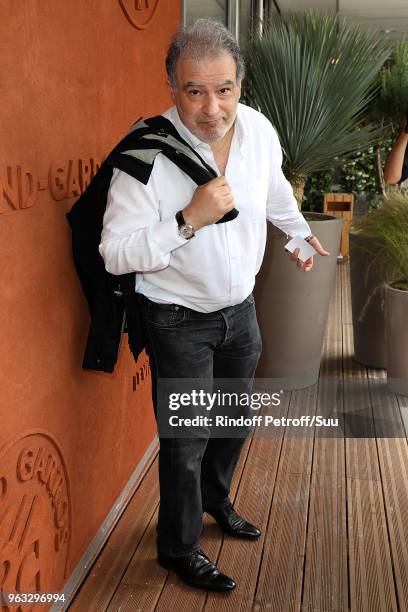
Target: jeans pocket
point(166, 316)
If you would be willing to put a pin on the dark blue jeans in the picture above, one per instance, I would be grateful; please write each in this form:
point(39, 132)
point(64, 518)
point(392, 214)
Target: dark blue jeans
point(195, 473)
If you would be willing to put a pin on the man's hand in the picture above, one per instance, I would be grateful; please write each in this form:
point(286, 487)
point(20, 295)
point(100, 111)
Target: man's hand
point(308, 264)
point(210, 203)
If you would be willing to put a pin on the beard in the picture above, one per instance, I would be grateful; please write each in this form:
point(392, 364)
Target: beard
point(205, 131)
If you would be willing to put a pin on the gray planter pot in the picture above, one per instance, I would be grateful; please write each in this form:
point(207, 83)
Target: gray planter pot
point(397, 340)
point(370, 347)
point(292, 307)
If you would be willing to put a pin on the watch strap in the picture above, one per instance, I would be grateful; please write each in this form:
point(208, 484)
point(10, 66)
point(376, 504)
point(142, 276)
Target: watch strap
point(180, 218)
point(185, 229)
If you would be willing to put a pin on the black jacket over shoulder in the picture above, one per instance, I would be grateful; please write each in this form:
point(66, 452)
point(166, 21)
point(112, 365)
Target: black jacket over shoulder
point(113, 303)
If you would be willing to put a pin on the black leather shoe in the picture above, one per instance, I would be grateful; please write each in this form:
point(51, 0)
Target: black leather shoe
point(198, 571)
point(230, 522)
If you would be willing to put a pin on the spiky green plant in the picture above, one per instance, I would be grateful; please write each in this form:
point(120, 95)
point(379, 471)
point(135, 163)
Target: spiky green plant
point(312, 74)
point(384, 234)
point(391, 103)
point(390, 106)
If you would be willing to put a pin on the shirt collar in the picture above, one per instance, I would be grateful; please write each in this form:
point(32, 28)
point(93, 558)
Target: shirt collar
point(172, 114)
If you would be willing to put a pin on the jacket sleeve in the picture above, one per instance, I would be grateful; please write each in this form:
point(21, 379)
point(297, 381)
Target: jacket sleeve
point(134, 238)
point(282, 209)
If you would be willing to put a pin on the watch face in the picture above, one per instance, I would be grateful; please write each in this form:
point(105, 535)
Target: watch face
point(186, 231)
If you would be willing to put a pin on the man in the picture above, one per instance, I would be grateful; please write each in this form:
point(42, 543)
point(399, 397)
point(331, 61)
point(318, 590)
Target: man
point(396, 164)
point(197, 275)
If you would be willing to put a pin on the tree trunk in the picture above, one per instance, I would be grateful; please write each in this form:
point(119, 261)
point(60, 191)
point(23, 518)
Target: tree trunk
point(298, 183)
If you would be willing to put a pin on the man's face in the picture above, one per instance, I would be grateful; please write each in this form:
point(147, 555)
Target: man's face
point(207, 95)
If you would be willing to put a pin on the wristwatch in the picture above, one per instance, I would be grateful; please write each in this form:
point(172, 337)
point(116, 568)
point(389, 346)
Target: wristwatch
point(186, 230)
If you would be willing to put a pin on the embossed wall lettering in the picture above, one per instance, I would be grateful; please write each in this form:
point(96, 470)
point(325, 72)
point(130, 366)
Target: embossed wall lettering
point(35, 516)
point(19, 185)
point(142, 375)
point(139, 13)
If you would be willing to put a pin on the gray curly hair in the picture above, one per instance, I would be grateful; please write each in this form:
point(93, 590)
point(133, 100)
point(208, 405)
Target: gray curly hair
point(204, 38)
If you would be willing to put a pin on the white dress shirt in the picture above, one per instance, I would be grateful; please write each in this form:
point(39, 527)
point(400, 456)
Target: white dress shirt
point(217, 267)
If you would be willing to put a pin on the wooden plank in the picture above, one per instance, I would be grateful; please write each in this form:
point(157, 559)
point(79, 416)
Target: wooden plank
point(371, 577)
point(333, 329)
point(340, 205)
point(297, 449)
point(325, 585)
point(143, 580)
point(394, 467)
point(393, 458)
point(280, 580)
point(361, 449)
point(106, 573)
point(242, 558)
point(344, 276)
point(403, 405)
point(325, 578)
point(386, 410)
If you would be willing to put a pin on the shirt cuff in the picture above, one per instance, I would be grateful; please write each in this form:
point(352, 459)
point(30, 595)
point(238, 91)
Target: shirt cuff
point(165, 235)
point(294, 228)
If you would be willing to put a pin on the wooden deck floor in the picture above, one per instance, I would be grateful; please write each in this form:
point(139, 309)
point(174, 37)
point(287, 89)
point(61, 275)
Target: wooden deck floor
point(333, 511)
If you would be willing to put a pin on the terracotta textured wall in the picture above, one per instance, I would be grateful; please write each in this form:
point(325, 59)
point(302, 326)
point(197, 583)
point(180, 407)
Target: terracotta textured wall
point(74, 76)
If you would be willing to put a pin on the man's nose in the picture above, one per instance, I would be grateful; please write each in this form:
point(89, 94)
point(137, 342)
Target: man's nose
point(211, 105)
